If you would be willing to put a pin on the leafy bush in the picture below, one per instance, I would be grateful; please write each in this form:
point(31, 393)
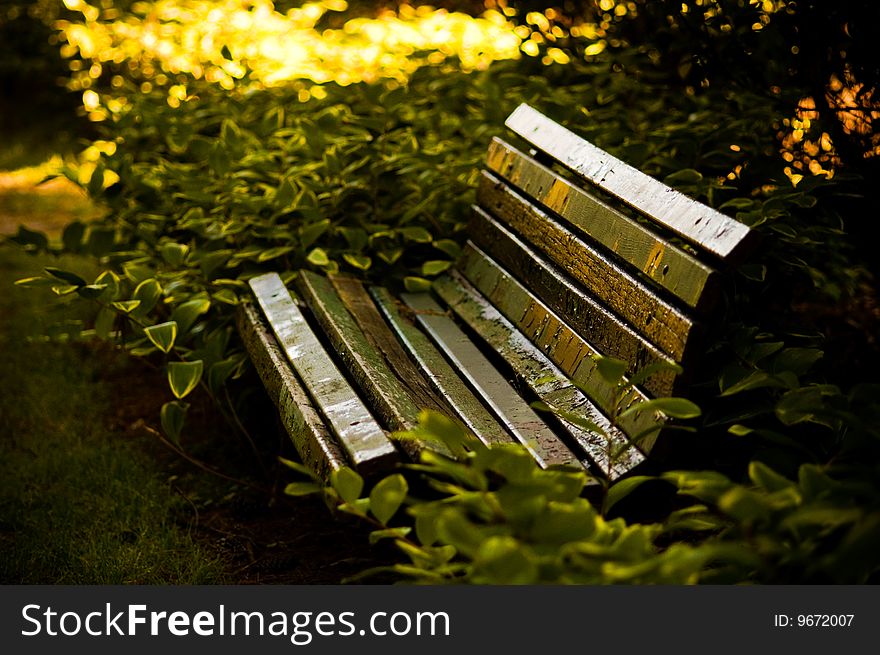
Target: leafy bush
point(376, 180)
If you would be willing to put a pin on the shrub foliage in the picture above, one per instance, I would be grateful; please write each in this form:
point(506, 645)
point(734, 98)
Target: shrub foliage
point(777, 483)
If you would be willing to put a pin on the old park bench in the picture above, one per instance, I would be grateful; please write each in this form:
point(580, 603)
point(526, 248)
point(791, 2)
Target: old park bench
point(571, 254)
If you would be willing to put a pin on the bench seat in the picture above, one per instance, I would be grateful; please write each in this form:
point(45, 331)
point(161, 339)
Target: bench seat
point(572, 255)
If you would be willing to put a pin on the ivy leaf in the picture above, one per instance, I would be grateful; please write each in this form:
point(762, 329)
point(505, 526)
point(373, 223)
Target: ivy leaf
point(162, 335)
point(184, 376)
point(387, 496)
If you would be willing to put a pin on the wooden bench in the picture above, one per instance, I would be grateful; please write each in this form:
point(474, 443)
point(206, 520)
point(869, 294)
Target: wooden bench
point(571, 254)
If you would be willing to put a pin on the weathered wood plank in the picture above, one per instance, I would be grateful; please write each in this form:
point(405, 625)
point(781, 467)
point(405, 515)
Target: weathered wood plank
point(534, 369)
point(586, 316)
point(502, 400)
point(364, 441)
point(669, 266)
point(652, 316)
point(701, 225)
point(569, 351)
point(364, 311)
point(445, 380)
point(316, 447)
point(385, 393)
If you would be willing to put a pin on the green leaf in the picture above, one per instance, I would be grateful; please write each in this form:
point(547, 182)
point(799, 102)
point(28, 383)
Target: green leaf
point(220, 371)
point(805, 403)
point(147, 292)
point(318, 257)
point(659, 366)
point(66, 276)
point(417, 234)
point(31, 282)
point(184, 376)
point(360, 262)
point(186, 313)
point(610, 369)
point(389, 533)
point(416, 284)
point(272, 253)
point(64, 289)
point(754, 380)
point(434, 267)
point(672, 407)
point(448, 246)
point(308, 234)
point(387, 496)
point(173, 415)
point(768, 479)
point(174, 253)
point(92, 291)
point(162, 335)
point(104, 322)
point(796, 360)
point(299, 468)
point(504, 560)
point(624, 488)
point(426, 528)
point(683, 177)
point(284, 194)
point(301, 489)
point(347, 483)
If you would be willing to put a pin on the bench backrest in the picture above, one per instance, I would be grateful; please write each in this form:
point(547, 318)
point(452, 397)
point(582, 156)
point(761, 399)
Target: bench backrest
point(586, 255)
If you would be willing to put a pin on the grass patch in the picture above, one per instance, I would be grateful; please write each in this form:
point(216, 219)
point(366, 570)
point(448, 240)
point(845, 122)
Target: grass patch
point(78, 504)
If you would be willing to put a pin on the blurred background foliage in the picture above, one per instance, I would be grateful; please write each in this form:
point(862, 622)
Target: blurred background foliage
point(225, 139)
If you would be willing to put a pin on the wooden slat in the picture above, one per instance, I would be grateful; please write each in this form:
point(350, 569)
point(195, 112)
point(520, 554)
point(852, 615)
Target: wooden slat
point(652, 316)
point(580, 311)
point(568, 350)
point(669, 266)
point(316, 447)
point(503, 401)
point(442, 376)
point(365, 443)
point(534, 369)
point(364, 311)
point(701, 225)
point(385, 393)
